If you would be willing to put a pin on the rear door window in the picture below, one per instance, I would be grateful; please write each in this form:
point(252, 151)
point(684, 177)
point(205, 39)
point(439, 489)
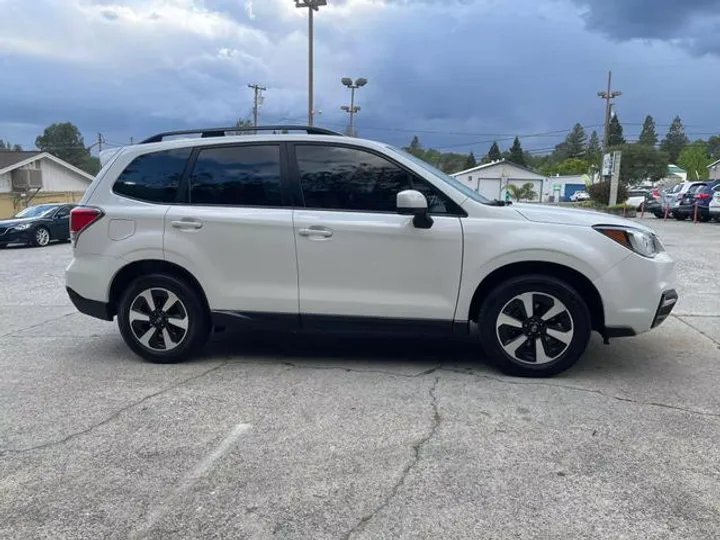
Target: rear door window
point(153, 177)
point(237, 176)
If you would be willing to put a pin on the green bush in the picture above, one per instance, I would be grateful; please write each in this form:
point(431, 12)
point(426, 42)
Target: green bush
point(600, 193)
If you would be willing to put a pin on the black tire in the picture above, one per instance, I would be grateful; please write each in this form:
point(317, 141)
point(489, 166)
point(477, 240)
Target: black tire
point(191, 306)
point(503, 298)
point(3, 246)
point(41, 237)
point(680, 217)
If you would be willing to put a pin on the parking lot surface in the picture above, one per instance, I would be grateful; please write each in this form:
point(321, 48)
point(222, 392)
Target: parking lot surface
point(290, 437)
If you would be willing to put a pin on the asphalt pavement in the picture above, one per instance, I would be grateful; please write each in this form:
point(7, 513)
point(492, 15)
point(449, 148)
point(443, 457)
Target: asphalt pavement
point(306, 437)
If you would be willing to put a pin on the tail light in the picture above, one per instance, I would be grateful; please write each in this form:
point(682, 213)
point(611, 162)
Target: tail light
point(81, 217)
point(702, 196)
point(656, 193)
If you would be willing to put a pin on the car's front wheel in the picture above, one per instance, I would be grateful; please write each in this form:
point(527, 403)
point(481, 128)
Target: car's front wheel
point(679, 217)
point(534, 326)
point(163, 319)
point(41, 237)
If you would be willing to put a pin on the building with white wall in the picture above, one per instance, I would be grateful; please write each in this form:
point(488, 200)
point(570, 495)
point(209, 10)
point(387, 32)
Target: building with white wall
point(492, 179)
point(714, 169)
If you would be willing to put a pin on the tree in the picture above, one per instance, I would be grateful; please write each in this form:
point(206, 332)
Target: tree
point(470, 162)
point(648, 135)
point(9, 147)
point(713, 147)
point(574, 145)
point(65, 141)
point(526, 191)
point(640, 163)
point(593, 150)
point(415, 147)
point(517, 155)
point(675, 140)
point(494, 153)
point(615, 132)
point(695, 160)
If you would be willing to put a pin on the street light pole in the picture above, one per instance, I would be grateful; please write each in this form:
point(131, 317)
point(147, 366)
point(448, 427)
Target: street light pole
point(312, 5)
point(608, 96)
point(352, 109)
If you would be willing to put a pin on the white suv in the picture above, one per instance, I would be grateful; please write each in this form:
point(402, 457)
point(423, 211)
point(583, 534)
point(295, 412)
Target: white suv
point(317, 231)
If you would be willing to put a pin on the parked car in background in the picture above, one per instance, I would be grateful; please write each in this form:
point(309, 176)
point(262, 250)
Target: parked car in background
point(580, 196)
point(714, 206)
point(636, 198)
point(686, 207)
point(703, 198)
point(672, 197)
point(37, 225)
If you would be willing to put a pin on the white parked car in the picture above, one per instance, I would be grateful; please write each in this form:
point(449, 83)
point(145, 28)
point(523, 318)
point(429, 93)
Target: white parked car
point(317, 231)
point(715, 205)
point(580, 196)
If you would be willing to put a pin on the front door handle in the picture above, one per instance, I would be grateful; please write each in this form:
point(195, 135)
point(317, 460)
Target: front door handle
point(316, 232)
point(187, 224)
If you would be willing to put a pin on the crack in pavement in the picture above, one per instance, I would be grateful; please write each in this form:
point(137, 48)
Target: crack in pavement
point(54, 319)
point(417, 447)
point(353, 370)
point(586, 390)
point(112, 417)
point(680, 318)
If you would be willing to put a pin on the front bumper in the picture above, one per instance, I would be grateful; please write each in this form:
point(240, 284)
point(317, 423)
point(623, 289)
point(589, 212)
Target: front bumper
point(630, 293)
point(13, 236)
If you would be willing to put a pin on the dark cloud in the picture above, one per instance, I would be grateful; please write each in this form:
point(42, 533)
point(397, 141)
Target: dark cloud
point(694, 23)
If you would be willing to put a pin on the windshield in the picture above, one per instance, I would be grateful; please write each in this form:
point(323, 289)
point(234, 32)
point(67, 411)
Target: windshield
point(36, 211)
point(452, 182)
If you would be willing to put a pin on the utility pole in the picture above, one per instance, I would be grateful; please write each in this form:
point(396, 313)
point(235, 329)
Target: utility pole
point(312, 5)
point(608, 96)
point(258, 89)
point(100, 142)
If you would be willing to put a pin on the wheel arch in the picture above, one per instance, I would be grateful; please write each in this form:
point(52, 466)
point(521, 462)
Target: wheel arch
point(572, 277)
point(133, 270)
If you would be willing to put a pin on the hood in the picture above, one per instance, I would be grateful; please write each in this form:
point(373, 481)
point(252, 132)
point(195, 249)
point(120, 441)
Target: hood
point(573, 216)
point(11, 222)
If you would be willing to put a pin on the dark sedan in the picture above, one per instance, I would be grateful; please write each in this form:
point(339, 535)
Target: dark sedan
point(692, 200)
point(37, 225)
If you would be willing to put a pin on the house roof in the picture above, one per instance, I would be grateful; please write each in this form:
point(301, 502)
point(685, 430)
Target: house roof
point(493, 163)
point(8, 158)
point(26, 158)
point(674, 169)
point(714, 164)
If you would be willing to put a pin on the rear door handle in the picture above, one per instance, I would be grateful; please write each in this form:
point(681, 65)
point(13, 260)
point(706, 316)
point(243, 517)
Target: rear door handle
point(187, 224)
point(316, 232)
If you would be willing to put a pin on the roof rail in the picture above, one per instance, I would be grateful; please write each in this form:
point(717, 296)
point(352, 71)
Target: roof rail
point(223, 131)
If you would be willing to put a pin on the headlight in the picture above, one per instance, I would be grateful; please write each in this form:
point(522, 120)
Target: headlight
point(641, 242)
point(22, 227)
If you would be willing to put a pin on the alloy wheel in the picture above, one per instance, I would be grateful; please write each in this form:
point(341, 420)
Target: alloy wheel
point(158, 319)
point(42, 237)
point(534, 328)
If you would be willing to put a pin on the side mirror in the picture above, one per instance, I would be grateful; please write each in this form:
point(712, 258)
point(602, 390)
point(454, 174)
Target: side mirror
point(413, 203)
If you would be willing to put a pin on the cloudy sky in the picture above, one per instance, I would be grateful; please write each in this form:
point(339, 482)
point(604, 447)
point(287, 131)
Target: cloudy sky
point(456, 72)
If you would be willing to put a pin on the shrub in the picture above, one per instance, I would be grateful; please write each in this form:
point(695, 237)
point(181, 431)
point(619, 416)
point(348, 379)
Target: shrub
point(600, 193)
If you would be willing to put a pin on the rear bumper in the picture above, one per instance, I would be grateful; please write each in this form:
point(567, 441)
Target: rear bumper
point(93, 308)
point(689, 210)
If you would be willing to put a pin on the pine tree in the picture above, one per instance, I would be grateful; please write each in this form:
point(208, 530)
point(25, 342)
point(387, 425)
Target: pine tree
point(576, 142)
point(494, 153)
point(517, 155)
point(593, 149)
point(470, 162)
point(675, 140)
point(648, 135)
point(615, 132)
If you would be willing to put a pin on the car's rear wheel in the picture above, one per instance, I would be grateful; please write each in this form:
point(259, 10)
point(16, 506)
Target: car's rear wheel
point(659, 215)
point(534, 326)
point(680, 217)
point(41, 237)
point(163, 319)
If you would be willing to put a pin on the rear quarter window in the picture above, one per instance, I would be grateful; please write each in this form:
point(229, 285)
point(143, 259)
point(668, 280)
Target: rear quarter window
point(153, 177)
